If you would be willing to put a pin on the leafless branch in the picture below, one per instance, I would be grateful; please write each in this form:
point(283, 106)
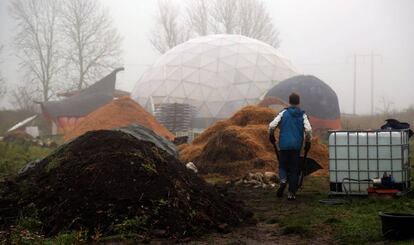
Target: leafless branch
point(385, 106)
point(23, 97)
point(94, 45)
point(198, 18)
point(3, 87)
point(36, 41)
point(225, 16)
point(202, 17)
point(254, 21)
point(168, 31)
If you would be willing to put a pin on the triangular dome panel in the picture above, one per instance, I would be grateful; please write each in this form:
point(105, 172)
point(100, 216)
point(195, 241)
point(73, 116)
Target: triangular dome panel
point(216, 74)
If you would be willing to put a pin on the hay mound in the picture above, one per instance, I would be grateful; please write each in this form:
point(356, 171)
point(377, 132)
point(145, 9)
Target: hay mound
point(240, 145)
point(104, 178)
point(119, 113)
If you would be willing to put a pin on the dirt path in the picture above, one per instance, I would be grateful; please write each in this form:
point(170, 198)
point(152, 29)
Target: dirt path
point(269, 211)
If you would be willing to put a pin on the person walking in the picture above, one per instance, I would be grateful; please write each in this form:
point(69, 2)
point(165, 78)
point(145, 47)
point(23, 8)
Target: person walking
point(294, 127)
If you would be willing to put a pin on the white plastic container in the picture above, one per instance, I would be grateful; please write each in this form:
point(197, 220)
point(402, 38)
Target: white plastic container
point(355, 157)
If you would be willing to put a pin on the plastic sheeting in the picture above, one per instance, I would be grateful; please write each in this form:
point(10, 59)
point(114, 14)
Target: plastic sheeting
point(217, 74)
point(22, 123)
point(145, 134)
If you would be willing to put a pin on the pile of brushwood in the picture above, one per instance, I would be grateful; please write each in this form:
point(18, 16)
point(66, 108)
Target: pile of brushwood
point(107, 181)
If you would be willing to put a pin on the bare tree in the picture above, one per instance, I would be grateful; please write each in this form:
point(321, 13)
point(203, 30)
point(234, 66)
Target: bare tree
point(23, 98)
point(385, 106)
point(245, 17)
point(198, 16)
point(225, 15)
point(254, 21)
point(3, 88)
point(94, 45)
point(36, 41)
point(168, 31)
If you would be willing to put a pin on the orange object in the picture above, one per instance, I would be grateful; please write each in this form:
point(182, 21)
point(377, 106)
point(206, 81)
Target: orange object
point(324, 124)
point(67, 124)
point(117, 113)
point(372, 190)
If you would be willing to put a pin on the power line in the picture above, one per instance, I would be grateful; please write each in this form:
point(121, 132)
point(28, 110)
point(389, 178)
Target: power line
point(372, 57)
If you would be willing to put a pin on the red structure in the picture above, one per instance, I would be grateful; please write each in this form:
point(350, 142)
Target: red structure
point(66, 114)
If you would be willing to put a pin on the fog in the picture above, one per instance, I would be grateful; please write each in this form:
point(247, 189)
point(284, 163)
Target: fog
point(320, 37)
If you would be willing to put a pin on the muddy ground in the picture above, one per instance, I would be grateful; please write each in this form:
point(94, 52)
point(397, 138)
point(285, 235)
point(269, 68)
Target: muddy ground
point(270, 212)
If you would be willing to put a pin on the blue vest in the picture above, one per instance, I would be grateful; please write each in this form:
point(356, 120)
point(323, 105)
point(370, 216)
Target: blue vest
point(291, 129)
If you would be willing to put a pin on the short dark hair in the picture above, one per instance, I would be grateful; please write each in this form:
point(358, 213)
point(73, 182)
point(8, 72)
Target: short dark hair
point(294, 99)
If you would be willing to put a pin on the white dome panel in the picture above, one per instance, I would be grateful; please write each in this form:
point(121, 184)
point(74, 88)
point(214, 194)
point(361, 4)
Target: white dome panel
point(217, 74)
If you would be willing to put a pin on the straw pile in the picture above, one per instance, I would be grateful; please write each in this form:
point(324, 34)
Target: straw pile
point(119, 113)
point(239, 145)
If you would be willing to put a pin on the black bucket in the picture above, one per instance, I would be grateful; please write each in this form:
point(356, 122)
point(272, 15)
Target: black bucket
point(397, 226)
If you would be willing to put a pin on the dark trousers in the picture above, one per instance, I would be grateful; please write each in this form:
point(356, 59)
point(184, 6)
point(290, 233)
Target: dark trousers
point(289, 168)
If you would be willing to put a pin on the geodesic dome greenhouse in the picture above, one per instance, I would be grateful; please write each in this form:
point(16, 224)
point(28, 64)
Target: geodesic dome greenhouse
point(216, 75)
point(317, 98)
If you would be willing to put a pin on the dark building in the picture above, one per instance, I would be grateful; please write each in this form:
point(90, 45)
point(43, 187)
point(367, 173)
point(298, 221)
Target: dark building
point(317, 99)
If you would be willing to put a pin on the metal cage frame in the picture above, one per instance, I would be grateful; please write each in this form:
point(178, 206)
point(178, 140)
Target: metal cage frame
point(344, 186)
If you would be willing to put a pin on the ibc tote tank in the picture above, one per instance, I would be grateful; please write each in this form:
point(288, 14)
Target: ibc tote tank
point(356, 157)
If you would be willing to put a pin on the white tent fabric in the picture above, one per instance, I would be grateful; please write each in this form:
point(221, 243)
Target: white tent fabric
point(22, 123)
point(217, 74)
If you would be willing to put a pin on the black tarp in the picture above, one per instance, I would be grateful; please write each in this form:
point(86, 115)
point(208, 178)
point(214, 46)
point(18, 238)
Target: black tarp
point(145, 134)
point(316, 97)
point(391, 124)
point(84, 102)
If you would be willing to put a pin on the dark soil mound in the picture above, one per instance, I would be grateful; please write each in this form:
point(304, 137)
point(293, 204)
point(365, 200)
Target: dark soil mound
point(104, 179)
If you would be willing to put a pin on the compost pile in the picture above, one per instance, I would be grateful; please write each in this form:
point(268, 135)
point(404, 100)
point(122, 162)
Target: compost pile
point(119, 113)
point(240, 145)
point(104, 179)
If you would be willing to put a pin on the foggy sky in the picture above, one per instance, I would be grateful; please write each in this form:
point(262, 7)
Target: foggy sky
point(320, 37)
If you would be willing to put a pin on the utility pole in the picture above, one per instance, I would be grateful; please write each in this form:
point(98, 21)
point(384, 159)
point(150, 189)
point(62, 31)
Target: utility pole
point(355, 82)
point(372, 57)
point(372, 83)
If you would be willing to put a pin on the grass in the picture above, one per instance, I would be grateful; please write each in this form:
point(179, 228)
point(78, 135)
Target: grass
point(21, 235)
point(356, 222)
point(353, 223)
point(14, 156)
point(375, 121)
point(27, 230)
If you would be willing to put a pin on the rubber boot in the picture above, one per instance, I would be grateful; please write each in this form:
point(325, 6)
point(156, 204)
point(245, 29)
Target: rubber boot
point(281, 189)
